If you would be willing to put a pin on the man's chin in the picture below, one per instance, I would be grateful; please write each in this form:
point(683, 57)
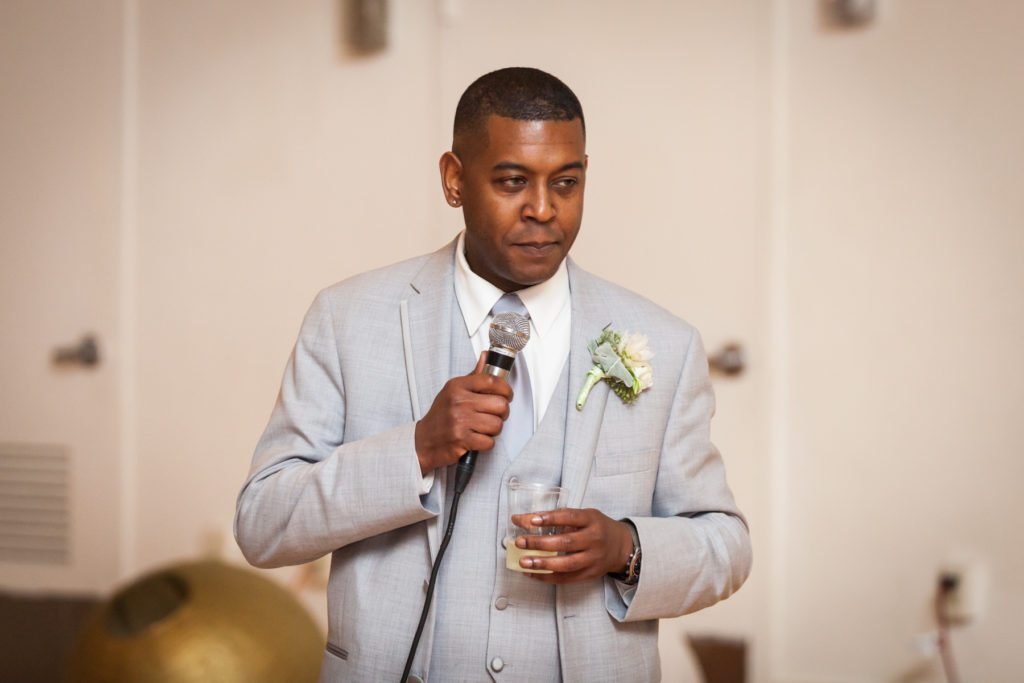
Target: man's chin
point(528, 277)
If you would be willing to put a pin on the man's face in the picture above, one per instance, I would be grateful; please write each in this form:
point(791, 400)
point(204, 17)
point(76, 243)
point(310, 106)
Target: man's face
point(522, 189)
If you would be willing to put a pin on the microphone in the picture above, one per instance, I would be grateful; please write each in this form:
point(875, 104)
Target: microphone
point(509, 333)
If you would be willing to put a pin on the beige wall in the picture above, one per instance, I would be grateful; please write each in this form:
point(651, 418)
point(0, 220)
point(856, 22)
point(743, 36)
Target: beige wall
point(846, 204)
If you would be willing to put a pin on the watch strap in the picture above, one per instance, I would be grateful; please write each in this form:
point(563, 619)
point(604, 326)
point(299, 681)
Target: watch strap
point(631, 576)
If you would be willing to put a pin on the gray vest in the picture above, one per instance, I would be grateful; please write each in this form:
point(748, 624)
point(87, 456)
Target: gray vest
point(483, 609)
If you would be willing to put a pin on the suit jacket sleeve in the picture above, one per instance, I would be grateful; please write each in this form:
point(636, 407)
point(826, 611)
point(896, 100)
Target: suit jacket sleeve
point(309, 492)
point(696, 547)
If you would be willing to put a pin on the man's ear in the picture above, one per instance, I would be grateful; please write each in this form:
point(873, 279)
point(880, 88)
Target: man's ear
point(451, 178)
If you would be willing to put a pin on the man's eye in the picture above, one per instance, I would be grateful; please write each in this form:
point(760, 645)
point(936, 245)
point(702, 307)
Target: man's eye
point(512, 181)
point(567, 182)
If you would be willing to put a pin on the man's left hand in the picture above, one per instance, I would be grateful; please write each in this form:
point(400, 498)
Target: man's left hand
point(592, 544)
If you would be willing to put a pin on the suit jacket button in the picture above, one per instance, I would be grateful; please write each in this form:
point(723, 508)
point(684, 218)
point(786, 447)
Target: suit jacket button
point(414, 679)
point(497, 664)
point(501, 603)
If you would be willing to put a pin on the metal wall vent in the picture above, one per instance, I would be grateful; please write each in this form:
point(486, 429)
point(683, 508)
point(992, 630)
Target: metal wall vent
point(34, 506)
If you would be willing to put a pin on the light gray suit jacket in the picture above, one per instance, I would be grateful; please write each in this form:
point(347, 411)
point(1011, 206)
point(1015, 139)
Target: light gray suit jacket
point(336, 472)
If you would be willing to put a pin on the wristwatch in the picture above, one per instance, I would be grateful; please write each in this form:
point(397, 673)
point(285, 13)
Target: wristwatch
point(631, 576)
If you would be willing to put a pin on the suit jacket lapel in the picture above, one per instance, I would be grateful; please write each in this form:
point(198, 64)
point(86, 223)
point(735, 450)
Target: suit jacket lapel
point(582, 427)
point(429, 347)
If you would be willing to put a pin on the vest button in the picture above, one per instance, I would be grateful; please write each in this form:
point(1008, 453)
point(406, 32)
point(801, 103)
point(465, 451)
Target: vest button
point(501, 603)
point(414, 679)
point(497, 664)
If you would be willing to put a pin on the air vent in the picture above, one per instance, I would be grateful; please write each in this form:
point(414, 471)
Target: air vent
point(34, 514)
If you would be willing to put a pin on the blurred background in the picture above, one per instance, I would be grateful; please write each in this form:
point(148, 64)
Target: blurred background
point(838, 187)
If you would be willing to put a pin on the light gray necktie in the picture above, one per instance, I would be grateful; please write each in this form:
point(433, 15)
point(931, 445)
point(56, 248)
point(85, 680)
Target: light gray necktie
point(518, 427)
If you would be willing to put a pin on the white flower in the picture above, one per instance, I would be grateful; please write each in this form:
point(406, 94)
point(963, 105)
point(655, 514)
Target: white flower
point(633, 349)
point(644, 375)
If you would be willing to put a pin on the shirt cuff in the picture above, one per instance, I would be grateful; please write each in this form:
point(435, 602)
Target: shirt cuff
point(626, 592)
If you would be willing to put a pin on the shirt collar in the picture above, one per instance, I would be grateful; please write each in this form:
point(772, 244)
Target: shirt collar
point(477, 296)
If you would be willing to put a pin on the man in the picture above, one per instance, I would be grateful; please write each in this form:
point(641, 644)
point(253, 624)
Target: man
point(380, 398)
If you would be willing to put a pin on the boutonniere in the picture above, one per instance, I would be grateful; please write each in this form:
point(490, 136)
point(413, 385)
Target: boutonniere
point(623, 361)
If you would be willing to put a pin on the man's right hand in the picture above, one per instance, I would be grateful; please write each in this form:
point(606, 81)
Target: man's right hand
point(466, 416)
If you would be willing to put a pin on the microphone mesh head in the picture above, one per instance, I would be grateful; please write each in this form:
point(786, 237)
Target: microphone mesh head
point(510, 331)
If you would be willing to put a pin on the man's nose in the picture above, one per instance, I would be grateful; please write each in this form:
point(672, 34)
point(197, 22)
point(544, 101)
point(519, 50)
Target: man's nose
point(539, 205)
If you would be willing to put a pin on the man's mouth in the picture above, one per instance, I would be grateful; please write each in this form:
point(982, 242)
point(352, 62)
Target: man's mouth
point(537, 248)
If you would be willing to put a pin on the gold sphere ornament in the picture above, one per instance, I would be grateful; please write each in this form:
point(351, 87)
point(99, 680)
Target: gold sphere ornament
point(196, 623)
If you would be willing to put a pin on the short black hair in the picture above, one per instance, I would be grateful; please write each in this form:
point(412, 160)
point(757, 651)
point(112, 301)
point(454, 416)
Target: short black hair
point(517, 92)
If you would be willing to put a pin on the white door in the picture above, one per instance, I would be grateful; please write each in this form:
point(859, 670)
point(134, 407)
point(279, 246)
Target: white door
point(60, 70)
point(905, 326)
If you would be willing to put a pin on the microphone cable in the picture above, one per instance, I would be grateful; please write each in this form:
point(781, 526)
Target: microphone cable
point(462, 475)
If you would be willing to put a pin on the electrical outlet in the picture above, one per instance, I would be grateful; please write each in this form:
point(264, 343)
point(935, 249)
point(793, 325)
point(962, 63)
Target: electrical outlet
point(961, 587)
